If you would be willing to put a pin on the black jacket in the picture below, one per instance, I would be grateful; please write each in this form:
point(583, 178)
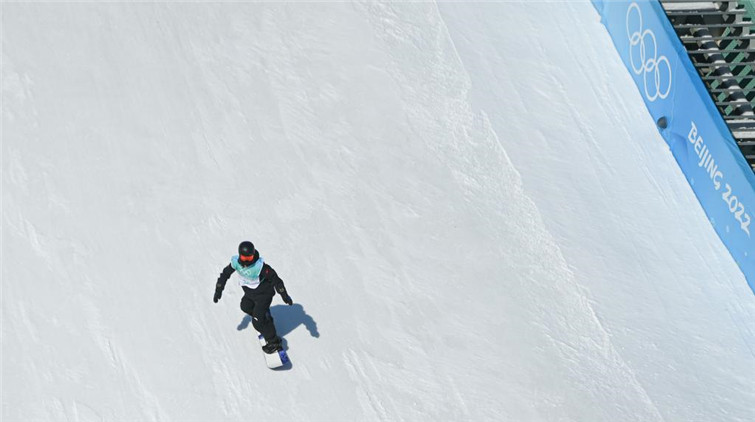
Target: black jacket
point(268, 276)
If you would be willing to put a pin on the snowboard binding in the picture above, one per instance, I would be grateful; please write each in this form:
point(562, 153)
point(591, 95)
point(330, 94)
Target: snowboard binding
point(272, 346)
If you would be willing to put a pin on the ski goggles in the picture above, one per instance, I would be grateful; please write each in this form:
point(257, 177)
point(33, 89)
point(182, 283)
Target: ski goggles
point(246, 259)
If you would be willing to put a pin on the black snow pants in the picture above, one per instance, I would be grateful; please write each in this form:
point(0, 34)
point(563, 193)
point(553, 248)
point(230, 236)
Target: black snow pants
point(256, 303)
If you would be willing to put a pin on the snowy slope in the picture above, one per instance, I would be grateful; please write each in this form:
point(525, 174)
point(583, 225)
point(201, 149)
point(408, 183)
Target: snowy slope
point(471, 226)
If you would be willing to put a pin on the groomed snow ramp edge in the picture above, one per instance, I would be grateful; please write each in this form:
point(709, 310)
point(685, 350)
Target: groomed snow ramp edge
point(695, 132)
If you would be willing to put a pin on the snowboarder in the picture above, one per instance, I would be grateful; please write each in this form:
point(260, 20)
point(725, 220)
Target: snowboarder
point(260, 282)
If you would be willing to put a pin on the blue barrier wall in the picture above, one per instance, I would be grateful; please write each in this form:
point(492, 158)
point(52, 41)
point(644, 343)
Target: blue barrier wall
point(696, 133)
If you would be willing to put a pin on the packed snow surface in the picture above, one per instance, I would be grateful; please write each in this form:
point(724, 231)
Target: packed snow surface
point(472, 210)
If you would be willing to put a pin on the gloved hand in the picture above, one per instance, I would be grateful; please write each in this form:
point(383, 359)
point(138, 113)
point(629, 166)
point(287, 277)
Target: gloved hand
point(218, 294)
point(281, 289)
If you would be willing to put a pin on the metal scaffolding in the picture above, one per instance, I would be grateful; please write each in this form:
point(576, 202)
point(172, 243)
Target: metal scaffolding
point(718, 36)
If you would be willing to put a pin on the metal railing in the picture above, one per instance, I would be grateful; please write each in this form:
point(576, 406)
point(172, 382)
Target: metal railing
point(720, 39)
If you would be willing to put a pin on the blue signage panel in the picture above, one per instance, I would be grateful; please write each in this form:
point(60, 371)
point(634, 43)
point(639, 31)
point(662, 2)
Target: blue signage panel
point(695, 131)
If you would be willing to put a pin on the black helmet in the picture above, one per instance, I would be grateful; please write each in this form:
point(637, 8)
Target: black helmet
point(247, 254)
point(246, 248)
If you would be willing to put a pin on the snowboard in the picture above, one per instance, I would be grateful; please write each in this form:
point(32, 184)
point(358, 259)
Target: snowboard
point(276, 359)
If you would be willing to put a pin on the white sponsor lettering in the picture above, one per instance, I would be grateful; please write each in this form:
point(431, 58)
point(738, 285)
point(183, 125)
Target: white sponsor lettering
point(708, 163)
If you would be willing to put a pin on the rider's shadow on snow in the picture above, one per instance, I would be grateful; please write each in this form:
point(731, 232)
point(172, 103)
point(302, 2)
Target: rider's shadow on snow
point(287, 318)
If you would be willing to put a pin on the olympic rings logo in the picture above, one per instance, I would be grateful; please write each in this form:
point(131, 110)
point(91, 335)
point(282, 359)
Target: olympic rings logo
point(648, 64)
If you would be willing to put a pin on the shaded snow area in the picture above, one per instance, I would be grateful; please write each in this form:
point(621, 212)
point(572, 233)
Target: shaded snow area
point(470, 207)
